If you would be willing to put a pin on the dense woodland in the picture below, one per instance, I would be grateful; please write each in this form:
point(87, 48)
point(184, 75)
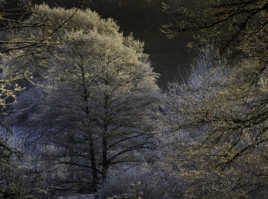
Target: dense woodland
point(84, 115)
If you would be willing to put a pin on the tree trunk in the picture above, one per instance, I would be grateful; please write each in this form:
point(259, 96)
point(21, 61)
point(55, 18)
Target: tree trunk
point(105, 163)
point(93, 165)
point(92, 157)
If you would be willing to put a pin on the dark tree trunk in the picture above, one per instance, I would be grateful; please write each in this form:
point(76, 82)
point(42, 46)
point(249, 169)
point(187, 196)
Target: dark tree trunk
point(92, 155)
point(93, 165)
point(105, 163)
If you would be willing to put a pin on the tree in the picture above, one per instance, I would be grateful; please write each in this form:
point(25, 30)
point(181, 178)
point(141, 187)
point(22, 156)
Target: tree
point(237, 27)
point(222, 120)
point(101, 93)
point(112, 91)
point(226, 159)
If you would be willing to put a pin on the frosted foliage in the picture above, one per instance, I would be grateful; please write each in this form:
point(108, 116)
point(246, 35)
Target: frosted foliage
point(103, 57)
point(79, 20)
point(207, 77)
